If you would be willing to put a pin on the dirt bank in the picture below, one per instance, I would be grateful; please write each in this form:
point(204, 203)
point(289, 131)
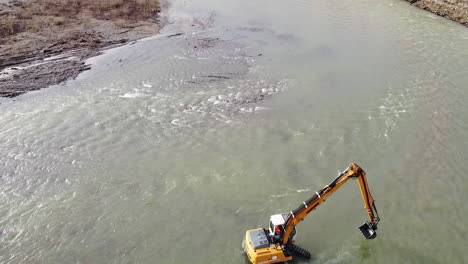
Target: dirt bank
point(45, 42)
point(456, 10)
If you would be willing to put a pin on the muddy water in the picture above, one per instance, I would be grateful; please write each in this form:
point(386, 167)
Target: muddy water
point(170, 148)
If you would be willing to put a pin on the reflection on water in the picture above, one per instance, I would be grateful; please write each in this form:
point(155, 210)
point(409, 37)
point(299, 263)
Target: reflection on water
point(180, 144)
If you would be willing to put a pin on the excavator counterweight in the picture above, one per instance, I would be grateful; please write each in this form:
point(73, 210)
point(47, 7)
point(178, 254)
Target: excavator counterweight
point(276, 243)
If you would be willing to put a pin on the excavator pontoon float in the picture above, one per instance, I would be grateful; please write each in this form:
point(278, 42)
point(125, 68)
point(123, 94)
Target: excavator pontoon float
point(276, 244)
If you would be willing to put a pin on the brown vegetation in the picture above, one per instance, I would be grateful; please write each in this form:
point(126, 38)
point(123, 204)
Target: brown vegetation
point(38, 15)
point(103, 9)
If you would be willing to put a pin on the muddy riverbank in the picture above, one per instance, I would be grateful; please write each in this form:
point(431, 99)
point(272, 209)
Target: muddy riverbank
point(456, 10)
point(46, 42)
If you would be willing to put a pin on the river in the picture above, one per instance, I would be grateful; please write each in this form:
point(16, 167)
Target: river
point(170, 148)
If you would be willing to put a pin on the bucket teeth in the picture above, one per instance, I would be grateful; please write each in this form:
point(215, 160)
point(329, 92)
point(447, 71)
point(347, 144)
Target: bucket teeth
point(367, 231)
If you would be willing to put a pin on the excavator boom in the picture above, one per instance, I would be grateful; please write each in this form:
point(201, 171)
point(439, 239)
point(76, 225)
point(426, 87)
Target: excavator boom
point(352, 172)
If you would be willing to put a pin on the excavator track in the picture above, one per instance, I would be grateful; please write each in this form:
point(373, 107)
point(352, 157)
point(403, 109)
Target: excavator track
point(297, 250)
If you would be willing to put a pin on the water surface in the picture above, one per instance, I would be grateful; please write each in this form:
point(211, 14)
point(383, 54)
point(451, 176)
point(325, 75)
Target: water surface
point(170, 148)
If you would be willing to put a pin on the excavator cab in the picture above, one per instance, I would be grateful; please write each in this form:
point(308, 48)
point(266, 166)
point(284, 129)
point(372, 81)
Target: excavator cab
point(277, 229)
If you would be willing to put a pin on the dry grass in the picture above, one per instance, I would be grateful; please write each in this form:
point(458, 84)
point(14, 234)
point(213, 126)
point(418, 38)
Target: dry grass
point(39, 15)
point(103, 9)
point(9, 25)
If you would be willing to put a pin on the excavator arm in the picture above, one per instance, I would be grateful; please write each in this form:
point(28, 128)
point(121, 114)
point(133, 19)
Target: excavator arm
point(352, 172)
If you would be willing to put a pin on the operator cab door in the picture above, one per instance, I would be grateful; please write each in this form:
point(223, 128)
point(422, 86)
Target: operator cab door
point(276, 232)
point(277, 228)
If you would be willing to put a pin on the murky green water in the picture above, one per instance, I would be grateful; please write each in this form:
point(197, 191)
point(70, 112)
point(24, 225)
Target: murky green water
point(170, 148)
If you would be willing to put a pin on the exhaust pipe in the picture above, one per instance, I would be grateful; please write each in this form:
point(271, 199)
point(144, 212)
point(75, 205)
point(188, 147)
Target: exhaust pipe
point(368, 230)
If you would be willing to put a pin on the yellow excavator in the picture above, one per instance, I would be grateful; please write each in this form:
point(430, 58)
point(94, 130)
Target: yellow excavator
point(276, 244)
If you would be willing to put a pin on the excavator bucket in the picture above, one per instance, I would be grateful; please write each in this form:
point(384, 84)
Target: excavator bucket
point(368, 231)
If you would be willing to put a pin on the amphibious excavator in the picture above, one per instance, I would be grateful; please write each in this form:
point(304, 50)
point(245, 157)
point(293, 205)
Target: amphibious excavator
point(276, 244)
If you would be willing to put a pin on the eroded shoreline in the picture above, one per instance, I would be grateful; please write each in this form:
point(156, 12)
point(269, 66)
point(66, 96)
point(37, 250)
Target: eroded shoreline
point(455, 10)
point(44, 43)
